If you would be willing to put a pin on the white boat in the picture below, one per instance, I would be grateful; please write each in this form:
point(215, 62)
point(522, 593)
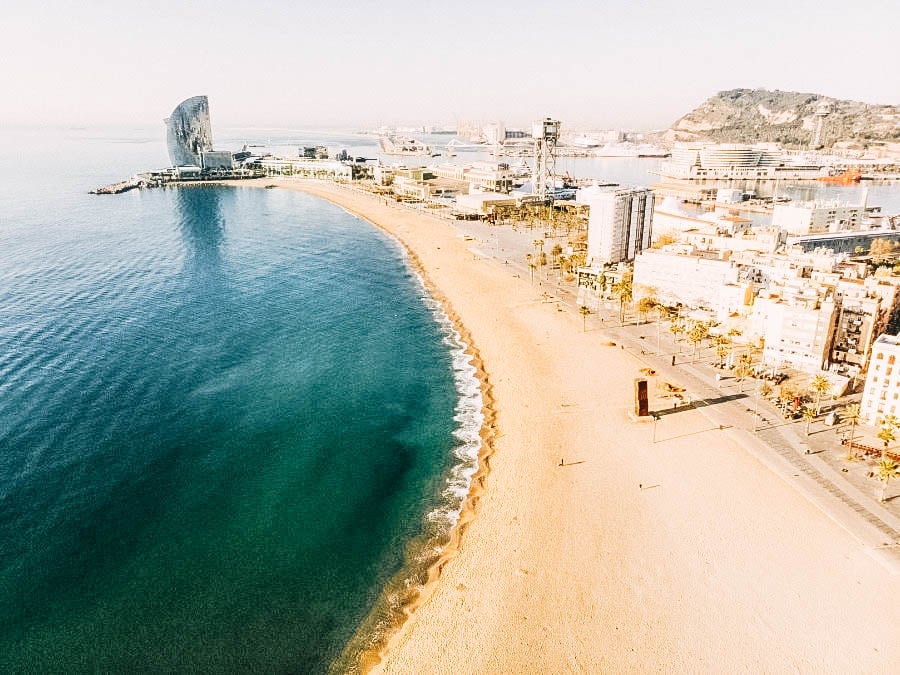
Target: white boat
point(616, 150)
point(398, 145)
point(585, 142)
point(647, 150)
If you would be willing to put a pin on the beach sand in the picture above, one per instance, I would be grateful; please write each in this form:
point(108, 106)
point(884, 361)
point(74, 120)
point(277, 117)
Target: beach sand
point(681, 555)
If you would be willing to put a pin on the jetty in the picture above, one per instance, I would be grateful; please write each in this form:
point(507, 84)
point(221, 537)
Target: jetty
point(120, 187)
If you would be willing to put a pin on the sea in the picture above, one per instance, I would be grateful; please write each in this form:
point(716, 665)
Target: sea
point(230, 418)
point(235, 429)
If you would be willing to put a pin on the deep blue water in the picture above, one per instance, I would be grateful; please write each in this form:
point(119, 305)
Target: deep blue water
point(223, 414)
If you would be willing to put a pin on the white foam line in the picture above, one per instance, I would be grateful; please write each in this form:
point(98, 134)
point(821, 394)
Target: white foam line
point(468, 417)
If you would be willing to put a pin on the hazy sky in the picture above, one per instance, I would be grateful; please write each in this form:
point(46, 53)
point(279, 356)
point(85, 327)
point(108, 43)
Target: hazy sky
point(638, 64)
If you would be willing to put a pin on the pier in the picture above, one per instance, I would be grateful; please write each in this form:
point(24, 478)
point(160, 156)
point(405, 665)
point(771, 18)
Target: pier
point(173, 176)
point(120, 187)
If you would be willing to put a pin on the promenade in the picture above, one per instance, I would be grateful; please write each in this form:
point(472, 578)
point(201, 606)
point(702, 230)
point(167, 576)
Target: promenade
point(811, 464)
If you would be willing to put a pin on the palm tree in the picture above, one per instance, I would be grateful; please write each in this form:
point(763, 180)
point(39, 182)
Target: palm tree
point(820, 386)
point(585, 310)
point(733, 333)
point(722, 349)
point(677, 327)
point(645, 306)
point(887, 469)
point(809, 415)
point(556, 251)
point(851, 414)
point(697, 334)
point(603, 281)
point(742, 370)
point(623, 288)
point(785, 393)
point(889, 424)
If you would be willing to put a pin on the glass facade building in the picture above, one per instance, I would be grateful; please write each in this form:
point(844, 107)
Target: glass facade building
point(189, 132)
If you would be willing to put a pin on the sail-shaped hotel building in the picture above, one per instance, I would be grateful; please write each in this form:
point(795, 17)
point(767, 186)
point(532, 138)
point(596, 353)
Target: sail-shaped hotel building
point(189, 132)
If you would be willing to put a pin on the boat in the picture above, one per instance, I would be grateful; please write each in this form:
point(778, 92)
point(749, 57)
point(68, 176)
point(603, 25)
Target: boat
point(849, 177)
point(585, 142)
point(647, 150)
point(398, 145)
point(616, 150)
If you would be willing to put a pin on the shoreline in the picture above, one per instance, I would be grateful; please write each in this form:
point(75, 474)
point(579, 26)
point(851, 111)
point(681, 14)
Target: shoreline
point(627, 554)
point(373, 654)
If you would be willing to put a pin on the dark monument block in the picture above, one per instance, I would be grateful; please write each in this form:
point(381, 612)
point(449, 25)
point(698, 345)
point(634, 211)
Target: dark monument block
point(641, 401)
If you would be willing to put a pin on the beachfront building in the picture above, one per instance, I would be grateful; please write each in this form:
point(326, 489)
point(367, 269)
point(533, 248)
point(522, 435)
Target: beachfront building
point(451, 171)
point(306, 168)
point(881, 394)
point(801, 218)
point(680, 273)
point(482, 203)
point(490, 177)
point(797, 324)
point(217, 160)
point(189, 132)
point(480, 176)
point(619, 225)
point(410, 188)
point(383, 175)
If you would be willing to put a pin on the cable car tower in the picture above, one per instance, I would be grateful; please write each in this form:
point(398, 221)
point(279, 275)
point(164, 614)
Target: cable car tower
point(546, 136)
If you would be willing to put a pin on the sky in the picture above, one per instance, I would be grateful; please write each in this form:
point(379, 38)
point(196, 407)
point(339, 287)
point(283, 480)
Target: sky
point(360, 64)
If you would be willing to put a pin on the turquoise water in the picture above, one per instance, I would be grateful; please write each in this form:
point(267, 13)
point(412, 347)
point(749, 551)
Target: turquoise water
point(223, 414)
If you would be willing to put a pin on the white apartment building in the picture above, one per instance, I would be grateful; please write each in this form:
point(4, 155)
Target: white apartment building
point(818, 217)
point(881, 395)
point(481, 176)
point(450, 170)
point(680, 273)
point(490, 176)
point(619, 225)
point(797, 326)
point(410, 188)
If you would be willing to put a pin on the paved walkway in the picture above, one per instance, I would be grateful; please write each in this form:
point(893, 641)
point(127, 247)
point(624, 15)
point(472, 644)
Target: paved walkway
point(779, 446)
point(774, 442)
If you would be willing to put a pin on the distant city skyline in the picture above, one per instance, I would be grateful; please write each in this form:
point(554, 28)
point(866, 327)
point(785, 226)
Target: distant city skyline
point(398, 62)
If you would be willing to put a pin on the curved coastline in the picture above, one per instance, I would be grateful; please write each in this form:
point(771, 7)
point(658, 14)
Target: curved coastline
point(577, 565)
point(410, 587)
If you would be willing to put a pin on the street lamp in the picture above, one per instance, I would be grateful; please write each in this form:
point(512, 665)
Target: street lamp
point(756, 406)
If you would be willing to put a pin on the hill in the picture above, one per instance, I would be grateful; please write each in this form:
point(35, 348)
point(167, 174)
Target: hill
point(789, 118)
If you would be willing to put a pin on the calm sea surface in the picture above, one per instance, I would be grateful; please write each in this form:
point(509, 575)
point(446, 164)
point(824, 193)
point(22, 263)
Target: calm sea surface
point(223, 413)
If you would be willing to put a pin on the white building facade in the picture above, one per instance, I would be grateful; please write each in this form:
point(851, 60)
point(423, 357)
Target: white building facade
point(797, 327)
point(677, 273)
point(818, 217)
point(881, 395)
point(619, 225)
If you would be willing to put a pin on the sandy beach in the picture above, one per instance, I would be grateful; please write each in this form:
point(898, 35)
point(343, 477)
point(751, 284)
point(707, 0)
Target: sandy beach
point(682, 555)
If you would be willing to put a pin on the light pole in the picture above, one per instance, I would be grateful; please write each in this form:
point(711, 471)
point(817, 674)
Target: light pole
point(658, 328)
point(756, 406)
point(655, 420)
